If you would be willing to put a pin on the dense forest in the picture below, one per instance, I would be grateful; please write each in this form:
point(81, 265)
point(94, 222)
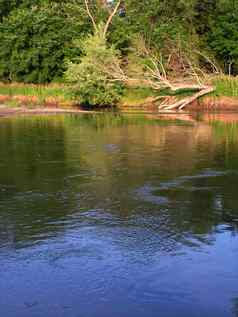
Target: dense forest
point(46, 41)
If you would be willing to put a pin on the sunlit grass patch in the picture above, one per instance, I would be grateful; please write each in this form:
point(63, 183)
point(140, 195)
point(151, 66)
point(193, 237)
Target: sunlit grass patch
point(30, 94)
point(225, 86)
point(135, 96)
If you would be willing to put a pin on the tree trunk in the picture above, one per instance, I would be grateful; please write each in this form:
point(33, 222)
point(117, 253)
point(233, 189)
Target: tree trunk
point(179, 105)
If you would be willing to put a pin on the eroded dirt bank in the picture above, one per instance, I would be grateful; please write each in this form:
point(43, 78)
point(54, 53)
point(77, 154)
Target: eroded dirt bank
point(210, 103)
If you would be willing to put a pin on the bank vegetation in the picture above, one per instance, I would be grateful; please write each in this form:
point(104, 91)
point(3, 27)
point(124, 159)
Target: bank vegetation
point(98, 53)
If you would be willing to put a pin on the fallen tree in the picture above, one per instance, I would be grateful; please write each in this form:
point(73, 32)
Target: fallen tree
point(153, 72)
point(154, 75)
point(179, 105)
point(192, 81)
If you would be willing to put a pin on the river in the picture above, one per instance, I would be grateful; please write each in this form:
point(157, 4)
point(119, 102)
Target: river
point(110, 215)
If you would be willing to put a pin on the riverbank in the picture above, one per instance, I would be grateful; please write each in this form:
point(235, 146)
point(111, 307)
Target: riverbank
point(207, 105)
point(9, 111)
point(31, 98)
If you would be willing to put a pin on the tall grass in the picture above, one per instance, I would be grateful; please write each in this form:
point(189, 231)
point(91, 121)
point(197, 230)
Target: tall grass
point(225, 86)
point(36, 93)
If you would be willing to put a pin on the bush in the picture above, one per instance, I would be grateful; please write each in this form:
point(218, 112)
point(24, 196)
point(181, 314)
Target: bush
point(91, 78)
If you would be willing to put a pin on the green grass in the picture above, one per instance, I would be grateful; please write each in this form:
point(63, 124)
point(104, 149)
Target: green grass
point(136, 96)
point(225, 86)
point(41, 92)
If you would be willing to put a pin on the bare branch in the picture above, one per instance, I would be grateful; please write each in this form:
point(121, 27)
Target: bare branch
point(209, 60)
point(90, 15)
point(109, 20)
point(179, 105)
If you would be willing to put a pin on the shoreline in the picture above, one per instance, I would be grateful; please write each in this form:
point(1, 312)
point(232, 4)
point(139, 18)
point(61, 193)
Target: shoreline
point(6, 111)
point(208, 104)
point(193, 117)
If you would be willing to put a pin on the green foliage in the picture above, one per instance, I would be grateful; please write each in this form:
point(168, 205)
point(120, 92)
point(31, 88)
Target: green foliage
point(147, 17)
point(223, 38)
point(91, 78)
point(120, 34)
point(35, 41)
point(31, 90)
point(203, 15)
point(6, 6)
point(37, 35)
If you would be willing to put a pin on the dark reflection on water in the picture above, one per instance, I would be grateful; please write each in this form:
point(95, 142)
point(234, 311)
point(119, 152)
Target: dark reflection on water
point(110, 215)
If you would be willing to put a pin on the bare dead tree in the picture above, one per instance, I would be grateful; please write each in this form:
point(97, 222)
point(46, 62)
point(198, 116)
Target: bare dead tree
point(193, 79)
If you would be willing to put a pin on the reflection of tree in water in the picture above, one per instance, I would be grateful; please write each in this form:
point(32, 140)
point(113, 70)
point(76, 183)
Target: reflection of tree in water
point(32, 164)
point(26, 146)
point(86, 171)
point(138, 157)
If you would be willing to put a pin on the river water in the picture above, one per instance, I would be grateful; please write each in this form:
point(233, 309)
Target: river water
point(118, 216)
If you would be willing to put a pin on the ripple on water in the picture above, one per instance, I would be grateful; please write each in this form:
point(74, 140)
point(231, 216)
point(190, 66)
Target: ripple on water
point(158, 195)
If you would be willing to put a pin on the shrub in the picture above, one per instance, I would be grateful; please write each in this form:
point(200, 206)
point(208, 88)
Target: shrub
point(91, 76)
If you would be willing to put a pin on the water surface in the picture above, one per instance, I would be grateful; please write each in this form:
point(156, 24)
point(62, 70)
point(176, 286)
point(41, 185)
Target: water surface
point(118, 216)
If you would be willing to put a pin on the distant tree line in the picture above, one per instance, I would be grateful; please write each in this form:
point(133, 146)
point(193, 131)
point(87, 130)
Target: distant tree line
point(39, 36)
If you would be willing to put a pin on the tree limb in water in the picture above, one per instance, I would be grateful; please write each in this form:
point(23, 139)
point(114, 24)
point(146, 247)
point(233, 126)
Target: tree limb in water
point(179, 105)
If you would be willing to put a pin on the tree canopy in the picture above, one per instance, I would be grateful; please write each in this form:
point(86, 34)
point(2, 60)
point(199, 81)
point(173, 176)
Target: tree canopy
point(38, 36)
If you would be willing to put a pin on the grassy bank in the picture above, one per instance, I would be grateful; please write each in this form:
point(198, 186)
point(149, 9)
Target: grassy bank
point(35, 95)
point(226, 86)
point(30, 95)
point(58, 95)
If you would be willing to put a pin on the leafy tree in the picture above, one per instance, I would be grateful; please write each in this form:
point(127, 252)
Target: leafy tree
point(203, 15)
point(6, 6)
point(36, 40)
point(223, 36)
point(147, 16)
point(37, 35)
point(91, 76)
point(121, 34)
